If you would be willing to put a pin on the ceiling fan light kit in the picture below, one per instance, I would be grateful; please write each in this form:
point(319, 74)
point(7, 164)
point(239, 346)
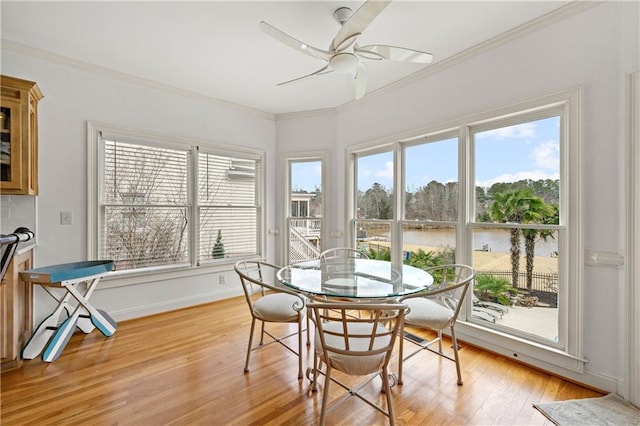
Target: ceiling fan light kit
point(345, 63)
point(344, 54)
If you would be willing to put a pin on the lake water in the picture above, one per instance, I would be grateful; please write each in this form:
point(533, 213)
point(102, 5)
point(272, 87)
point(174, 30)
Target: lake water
point(494, 240)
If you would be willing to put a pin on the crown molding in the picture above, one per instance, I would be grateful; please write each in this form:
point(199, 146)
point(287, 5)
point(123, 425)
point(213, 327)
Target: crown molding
point(34, 52)
point(309, 113)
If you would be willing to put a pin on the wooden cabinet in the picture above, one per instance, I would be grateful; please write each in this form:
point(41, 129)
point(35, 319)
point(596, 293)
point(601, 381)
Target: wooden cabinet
point(16, 310)
point(19, 131)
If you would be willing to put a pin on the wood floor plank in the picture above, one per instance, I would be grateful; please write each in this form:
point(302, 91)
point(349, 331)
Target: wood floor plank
point(186, 367)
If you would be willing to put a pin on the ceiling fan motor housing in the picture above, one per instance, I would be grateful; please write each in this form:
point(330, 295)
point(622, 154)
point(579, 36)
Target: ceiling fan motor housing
point(342, 14)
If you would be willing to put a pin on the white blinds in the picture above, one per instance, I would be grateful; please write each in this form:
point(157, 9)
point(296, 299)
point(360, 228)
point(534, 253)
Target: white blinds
point(148, 218)
point(138, 174)
point(145, 205)
point(228, 205)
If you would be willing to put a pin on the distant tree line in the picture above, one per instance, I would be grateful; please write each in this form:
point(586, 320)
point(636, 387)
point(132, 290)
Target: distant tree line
point(439, 201)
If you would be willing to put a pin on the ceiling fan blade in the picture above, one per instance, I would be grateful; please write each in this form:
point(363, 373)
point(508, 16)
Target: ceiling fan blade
point(323, 70)
point(290, 41)
point(360, 81)
point(393, 53)
point(357, 23)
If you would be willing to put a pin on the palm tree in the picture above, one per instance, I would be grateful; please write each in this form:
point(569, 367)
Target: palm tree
point(518, 206)
point(550, 215)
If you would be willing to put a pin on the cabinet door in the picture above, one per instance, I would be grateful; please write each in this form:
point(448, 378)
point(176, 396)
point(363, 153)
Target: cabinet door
point(11, 160)
point(16, 310)
point(19, 119)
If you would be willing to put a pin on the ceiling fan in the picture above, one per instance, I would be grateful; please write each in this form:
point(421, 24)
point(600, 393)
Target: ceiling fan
point(343, 55)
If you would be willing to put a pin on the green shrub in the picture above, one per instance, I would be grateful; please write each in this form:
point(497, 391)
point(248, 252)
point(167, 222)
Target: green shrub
point(380, 254)
point(494, 289)
point(218, 247)
point(425, 259)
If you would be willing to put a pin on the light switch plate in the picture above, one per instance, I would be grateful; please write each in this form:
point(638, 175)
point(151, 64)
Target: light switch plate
point(66, 218)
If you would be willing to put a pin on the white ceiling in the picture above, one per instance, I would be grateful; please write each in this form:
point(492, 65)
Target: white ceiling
point(216, 48)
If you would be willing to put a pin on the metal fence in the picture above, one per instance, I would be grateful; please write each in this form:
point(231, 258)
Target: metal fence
point(543, 285)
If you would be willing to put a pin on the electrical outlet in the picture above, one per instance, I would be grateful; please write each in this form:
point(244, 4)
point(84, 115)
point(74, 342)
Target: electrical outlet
point(223, 279)
point(66, 218)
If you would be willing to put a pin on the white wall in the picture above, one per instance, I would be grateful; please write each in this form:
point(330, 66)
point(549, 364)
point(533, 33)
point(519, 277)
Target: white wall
point(595, 50)
point(71, 98)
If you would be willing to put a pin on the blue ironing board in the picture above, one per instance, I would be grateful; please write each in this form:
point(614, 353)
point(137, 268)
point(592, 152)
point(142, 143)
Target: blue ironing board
point(66, 271)
point(51, 337)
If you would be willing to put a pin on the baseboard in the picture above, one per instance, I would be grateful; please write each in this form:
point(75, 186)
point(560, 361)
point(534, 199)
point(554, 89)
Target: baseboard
point(165, 306)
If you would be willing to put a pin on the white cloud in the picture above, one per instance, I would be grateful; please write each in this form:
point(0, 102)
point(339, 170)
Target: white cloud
point(387, 172)
point(509, 177)
point(546, 155)
point(521, 131)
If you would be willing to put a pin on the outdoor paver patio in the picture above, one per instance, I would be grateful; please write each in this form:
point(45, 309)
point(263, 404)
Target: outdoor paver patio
point(540, 321)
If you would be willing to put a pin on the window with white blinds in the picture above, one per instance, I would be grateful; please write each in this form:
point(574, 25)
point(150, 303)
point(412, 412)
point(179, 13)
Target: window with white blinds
point(228, 202)
point(145, 205)
point(165, 204)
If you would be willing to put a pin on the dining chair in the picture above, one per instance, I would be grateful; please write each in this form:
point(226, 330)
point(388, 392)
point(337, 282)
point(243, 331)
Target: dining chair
point(437, 309)
point(270, 302)
point(335, 260)
point(342, 253)
point(355, 346)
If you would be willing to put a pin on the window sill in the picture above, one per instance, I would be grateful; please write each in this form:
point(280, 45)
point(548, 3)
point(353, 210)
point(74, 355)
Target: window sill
point(518, 348)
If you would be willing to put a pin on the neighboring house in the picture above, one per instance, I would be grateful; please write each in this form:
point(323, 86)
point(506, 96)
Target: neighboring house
point(304, 227)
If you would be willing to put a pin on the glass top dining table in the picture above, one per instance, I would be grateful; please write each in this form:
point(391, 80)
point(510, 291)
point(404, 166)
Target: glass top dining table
point(355, 278)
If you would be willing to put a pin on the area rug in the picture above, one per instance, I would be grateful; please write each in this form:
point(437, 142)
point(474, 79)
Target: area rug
point(607, 410)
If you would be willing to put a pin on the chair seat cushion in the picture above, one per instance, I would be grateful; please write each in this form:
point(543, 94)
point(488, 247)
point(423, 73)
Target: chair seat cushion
point(426, 313)
point(352, 364)
point(278, 307)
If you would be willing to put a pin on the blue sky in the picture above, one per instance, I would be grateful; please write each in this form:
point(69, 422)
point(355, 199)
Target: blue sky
point(306, 175)
point(508, 154)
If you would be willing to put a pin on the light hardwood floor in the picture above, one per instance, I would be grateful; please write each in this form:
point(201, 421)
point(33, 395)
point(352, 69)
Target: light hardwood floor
point(186, 367)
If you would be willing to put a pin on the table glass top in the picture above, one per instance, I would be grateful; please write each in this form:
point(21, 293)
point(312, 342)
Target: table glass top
point(356, 278)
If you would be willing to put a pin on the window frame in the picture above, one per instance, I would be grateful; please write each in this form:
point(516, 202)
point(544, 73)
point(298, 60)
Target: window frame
point(287, 160)
point(353, 222)
point(568, 104)
point(552, 110)
point(95, 174)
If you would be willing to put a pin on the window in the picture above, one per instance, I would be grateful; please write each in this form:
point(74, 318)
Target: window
point(516, 227)
point(431, 199)
point(144, 205)
point(161, 203)
point(228, 203)
point(501, 192)
point(374, 185)
point(299, 208)
point(304, 189)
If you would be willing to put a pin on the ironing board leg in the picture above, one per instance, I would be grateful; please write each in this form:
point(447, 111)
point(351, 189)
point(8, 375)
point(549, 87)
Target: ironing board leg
point(53, 338)
point(45, 330)
point(66, 329)
point(61, 338)
point(99, 318)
